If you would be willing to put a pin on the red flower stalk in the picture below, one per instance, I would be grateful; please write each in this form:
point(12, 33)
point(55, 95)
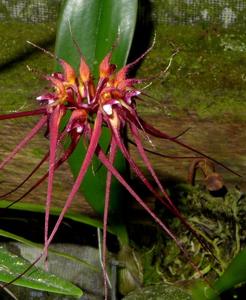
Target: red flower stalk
point(112, 102)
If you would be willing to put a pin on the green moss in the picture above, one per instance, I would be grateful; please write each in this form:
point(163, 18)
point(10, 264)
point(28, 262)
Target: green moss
point(13, 41)
point(218, 220)
point(206, 77)
point(18, 86)
point(158, 292)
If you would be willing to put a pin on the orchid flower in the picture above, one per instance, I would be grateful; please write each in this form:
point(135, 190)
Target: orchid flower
point(112, 102)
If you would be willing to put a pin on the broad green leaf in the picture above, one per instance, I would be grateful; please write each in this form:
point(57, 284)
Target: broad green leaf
point(96, 25)
point(11, 266)
point(29, 243)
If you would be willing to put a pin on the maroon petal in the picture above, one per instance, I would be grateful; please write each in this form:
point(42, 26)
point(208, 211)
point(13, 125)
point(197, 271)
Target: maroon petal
point(21, 114)
point(54, 123)
point(87, 160)
point(170, 205)
point(117, 175)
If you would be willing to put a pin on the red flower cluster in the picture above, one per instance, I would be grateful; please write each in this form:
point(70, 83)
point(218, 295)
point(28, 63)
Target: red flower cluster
point(112, 102)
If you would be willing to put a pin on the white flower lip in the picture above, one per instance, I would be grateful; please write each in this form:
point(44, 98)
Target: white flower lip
point(79, 129)
point(108, 109)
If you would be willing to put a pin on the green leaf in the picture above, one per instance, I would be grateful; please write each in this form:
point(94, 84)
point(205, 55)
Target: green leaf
point(233, 275)
point(11, 266)
point(29, 243)
point(96, 25)
point(202, 291)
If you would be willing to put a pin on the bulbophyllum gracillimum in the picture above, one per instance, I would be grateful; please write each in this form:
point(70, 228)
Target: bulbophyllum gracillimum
point(112, 102)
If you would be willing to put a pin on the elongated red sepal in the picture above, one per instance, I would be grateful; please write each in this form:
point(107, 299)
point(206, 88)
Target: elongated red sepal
point(22, 114)
point(87, 160)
